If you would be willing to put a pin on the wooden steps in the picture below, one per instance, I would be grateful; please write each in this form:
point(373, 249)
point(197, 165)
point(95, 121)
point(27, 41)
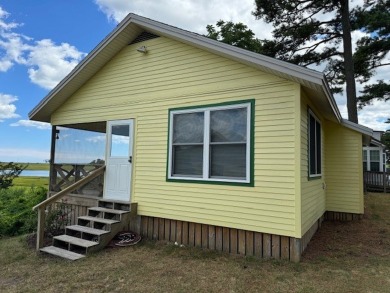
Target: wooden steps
point(93, 231)
point(85, 229)
point(62, 253)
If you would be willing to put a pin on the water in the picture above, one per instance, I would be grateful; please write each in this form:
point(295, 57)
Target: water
point(36, 173)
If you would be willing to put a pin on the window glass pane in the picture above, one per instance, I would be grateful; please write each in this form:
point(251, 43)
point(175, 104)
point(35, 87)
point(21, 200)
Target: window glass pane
point(312, 145)
point(318, 147)
point(228, 125)
point(374, 155)
point(374, 166)
point(228, 160)
point(365, 155)
point(120, 140)
point(188, 128)
point(187, 160)
point(364, 166)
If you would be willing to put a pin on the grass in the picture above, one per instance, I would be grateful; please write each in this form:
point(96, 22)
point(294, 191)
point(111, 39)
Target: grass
point(27, 181)
point(342, 257)
point(38, 166)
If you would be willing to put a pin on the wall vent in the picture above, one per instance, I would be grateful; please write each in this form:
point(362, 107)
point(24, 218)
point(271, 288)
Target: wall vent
point(144, 36)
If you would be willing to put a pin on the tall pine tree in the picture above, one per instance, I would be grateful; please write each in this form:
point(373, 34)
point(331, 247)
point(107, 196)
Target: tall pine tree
point(372, 51)
point(318, 32)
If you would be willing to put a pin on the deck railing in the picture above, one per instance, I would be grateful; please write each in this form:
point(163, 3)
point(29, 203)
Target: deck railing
point(65, 175)
point(376, 181)
point(44, 205)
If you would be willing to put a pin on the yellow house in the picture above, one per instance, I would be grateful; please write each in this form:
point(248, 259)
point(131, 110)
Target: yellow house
point(218, 147)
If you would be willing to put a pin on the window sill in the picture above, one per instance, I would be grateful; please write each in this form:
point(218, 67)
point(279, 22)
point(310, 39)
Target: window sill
point(314, 177)
point(211, 181)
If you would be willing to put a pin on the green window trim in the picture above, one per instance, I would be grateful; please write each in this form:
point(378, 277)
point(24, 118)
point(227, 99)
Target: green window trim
point(249, 179)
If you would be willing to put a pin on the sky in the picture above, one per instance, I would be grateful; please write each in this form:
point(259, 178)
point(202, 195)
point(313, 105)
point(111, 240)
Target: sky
point(41, 41)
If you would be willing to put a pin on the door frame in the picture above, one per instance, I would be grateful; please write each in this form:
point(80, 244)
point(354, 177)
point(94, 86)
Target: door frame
point(109, 124)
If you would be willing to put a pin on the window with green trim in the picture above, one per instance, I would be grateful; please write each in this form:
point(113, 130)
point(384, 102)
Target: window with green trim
point(210, 143)
point(314, 138)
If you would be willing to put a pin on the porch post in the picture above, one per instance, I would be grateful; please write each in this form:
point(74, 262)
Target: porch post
point(41, 228)
point(53, 172)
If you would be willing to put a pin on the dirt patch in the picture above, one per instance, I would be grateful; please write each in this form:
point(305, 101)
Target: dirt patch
point(31, 239)
point(358, 239)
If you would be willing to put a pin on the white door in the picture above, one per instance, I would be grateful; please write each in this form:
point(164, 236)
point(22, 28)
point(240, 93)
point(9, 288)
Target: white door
point(119, 156)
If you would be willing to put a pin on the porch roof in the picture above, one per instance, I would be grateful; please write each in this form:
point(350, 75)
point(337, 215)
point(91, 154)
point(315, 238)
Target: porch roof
point(313, 82)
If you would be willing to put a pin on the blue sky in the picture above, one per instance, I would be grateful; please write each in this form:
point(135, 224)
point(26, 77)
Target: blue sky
point(41, 41)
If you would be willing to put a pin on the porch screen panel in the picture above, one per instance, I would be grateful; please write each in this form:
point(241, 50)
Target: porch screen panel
point(76, 146)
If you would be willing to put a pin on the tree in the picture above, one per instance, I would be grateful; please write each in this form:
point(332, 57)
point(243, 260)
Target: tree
point(8, 172)
point(312, 32)
point(374, 19)
point(318, 32)
point(239, 35)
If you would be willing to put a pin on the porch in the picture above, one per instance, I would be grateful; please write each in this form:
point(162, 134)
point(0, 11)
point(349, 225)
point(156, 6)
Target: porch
point(376, 181)
point(77, 178)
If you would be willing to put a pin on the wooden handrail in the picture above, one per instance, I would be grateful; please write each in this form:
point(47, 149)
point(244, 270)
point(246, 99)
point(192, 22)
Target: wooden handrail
point(42, 206)
point(70, 188)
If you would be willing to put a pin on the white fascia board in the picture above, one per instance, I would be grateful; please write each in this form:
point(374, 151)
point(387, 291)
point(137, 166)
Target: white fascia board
point(357, 127)
point(377, 143)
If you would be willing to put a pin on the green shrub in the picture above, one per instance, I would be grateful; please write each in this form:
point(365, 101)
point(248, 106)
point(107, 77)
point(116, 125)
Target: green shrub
point(16, 215)
point(57, 218)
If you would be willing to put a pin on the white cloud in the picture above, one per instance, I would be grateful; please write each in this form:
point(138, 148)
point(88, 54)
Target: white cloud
point(188, 14)
point(375, 115)
point(3, 25)
point(96, 138)
point(32, 124)
point(7, 108)
point(47, 63)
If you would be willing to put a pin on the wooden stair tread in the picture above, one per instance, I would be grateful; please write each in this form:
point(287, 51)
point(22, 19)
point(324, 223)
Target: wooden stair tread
point(88, 230)
point(101, 209)
point(62, 253)
point(76, 241)
point(115, 201)
point(99, 220)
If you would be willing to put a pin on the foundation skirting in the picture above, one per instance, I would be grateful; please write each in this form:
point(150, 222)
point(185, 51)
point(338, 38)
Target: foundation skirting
point(230, 240)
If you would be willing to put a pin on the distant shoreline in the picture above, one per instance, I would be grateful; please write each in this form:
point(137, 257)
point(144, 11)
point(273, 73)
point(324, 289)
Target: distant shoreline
point(34, 166)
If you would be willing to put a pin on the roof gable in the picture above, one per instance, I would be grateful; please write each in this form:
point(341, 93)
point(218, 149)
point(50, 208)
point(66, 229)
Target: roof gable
point(132, 28)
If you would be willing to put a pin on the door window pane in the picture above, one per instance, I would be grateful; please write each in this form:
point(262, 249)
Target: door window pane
point(120, 140)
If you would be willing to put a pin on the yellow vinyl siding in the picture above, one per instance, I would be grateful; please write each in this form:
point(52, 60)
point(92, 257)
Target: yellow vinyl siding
point(344, 169)
point(171, 75)
point(312, 191)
